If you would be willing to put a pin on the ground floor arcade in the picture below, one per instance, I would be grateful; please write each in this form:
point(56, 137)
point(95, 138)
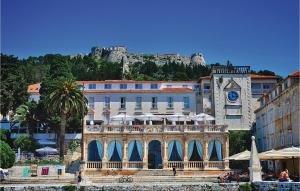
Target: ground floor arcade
point(130, 151)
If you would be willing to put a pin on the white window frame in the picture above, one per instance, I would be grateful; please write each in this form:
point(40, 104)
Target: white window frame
point(186, 102)
point(92, 86)
point(123, 102)
point(138, 102)
point(154, 102)
point(170, 102)
point(107, 102)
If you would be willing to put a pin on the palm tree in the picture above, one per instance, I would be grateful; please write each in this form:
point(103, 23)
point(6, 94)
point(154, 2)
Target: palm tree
point(67, 100)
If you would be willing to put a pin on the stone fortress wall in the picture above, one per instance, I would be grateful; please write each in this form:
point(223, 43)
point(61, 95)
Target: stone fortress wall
point(120, 54)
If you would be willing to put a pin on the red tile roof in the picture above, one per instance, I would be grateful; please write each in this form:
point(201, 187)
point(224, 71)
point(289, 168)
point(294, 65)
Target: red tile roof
point(295, 74)
point(254, 76)
point(131, 82)
point(34, 88)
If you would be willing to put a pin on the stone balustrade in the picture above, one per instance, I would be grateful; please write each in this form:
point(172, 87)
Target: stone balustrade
point(170, 164)
point(195, 164)
point(154, 128)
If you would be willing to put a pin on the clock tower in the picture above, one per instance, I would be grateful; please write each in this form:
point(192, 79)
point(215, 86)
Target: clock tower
point(231, 90)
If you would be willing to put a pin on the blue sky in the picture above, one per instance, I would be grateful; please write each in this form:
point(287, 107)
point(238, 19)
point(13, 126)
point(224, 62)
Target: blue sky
point(259, 33)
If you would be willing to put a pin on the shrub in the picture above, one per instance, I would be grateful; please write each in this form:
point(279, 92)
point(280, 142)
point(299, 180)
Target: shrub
point(7, 155)
point(4, 134)
point(39, 162)
point(74, 144)
point(69, 188)
point(26, 143)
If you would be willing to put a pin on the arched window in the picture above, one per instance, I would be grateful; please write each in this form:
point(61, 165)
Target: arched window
point(215, 148)
point(175, 151)
point(135, 151)
point(95, 151)
point(195, 151)
point(114, 151)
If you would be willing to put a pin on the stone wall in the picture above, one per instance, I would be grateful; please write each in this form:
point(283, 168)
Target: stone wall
point(120, 53)
point(139, 187)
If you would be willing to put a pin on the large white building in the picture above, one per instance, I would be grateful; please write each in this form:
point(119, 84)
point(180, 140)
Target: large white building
point(277, 119)
point(230, 94)
point(140, 145)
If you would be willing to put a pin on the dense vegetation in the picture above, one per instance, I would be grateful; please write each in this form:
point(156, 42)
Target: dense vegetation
point(52, 69)
point(7, 155)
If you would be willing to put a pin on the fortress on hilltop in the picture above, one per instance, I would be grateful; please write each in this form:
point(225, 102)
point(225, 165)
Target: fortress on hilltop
point(120, 54)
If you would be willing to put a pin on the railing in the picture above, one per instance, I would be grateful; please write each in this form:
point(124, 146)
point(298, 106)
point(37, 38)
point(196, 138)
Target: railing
point(114, 164)
point(170, 164)
point(176, 164)
point(93, 164)
point(194, 128)
point(135, 164)
point(195, 164)
point(155, 128)
point(216, 164)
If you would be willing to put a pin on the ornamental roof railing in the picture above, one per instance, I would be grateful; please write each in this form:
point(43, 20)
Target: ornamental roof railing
point(231, 70)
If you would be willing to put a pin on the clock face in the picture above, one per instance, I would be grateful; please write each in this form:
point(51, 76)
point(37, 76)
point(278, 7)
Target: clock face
point(233, 96)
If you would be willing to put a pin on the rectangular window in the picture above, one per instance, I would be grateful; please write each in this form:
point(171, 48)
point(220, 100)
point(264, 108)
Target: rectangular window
point(107, 102)
point(107, 86)
point(185, 86)
point(169, 86)
point(138, 86)
point(123, 86)
point(256, 86)
point(290, 137)
point(170, 102)
point(186, 102)
point(91, 117)
point(286, 85)
point(123, 102)
point(92, 86)
point(206, 86)
point(154, 103)
point(282, 139)
point(138, 102)
point(154, 86)
point(91, 102)
point(197, 87)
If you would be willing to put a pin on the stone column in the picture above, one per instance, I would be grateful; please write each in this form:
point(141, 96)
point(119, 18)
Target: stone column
point(105, 155)
point(145, 157)
point(185, 152)
point(125, 155)
point(165, 157)
point(226, 152)
point(205, 151)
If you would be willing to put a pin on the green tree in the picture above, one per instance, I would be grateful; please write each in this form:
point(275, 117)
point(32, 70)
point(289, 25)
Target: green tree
point(13, 86)
point(26, 116)
point(4, 134)
point(67, 99)
point(26, 143)
point(7, 155)
point(239, 141)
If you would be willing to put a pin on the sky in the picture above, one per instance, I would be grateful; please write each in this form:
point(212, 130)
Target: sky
point(261, 33)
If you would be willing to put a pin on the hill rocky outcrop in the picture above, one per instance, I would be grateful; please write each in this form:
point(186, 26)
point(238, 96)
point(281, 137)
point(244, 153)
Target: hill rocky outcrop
point(120, 54)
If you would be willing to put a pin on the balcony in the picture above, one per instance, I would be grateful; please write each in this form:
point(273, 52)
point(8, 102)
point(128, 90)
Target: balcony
point(140, 129)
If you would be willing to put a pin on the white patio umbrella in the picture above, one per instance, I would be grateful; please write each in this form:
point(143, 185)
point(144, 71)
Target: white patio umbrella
point(122, 118)
point(285, 153)
point(245, 155)
point(47, 150)
point(202, 117)
point(148, 117)
point(177, 117)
